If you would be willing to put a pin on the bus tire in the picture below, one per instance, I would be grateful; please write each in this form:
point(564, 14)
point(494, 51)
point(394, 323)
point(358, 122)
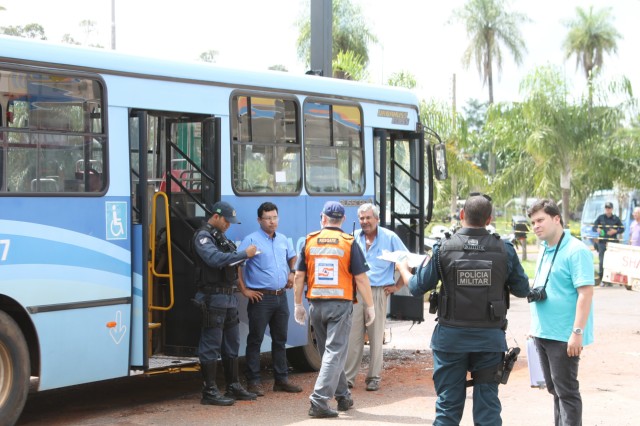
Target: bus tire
point(14, 370)
point(305, 358)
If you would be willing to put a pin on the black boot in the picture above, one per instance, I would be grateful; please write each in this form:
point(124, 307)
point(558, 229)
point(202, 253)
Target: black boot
point(234, 388)
point(210, 393)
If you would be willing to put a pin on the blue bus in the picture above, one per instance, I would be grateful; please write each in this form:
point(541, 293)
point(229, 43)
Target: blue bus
point(108, 162)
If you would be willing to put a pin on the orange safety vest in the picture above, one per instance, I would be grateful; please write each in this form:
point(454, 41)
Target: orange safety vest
point(328, 256)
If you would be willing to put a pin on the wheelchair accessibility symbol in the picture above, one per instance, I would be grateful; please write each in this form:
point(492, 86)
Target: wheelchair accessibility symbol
point(116, 220)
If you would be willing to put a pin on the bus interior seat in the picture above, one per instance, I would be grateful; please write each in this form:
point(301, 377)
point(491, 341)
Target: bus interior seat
point(44, 185)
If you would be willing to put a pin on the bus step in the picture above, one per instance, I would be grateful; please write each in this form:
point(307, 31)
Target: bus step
point(162, 362)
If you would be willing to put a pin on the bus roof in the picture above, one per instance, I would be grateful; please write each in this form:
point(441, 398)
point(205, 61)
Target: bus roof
point(19, 50)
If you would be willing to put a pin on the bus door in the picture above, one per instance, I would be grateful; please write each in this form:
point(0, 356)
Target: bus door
point(399, 176)
point(172, 185)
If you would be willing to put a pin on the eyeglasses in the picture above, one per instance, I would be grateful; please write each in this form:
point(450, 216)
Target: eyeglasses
point(270, 218)
point(480, 194)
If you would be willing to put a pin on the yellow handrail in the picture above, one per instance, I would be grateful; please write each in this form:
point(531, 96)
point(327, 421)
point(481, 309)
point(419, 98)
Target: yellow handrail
point(152, 261)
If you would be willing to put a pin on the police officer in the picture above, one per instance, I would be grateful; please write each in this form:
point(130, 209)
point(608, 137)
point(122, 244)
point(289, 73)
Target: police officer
point(217, 274)
point(477, 271)
point(331, 262)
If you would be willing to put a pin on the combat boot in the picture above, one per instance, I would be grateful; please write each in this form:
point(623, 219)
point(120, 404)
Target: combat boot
point(234, 388)
point(210, 393)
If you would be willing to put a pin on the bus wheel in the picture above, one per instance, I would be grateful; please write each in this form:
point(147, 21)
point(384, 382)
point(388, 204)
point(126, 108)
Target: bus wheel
point(305, 358)
point(14, 370)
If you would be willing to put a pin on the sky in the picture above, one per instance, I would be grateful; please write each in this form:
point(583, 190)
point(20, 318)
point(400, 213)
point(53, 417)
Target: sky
point(413, 35)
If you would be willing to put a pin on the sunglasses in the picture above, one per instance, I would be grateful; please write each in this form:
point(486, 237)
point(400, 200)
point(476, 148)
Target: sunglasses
point(480, 194)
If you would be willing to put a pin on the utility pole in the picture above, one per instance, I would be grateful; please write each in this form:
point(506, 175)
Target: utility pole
point(321, 37)
point(113, 24)
point(454, 178)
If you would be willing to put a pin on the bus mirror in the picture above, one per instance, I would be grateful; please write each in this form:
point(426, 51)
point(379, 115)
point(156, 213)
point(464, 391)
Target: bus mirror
point(440, 160)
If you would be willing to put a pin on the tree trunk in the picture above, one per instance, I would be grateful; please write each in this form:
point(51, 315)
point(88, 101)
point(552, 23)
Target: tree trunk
point(565, 185)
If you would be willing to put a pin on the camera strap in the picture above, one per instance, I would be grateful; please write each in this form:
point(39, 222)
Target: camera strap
point(553, 259)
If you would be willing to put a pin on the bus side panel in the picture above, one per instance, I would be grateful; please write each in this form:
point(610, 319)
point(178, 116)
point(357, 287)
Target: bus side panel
point(63, 278)
point(83, 345)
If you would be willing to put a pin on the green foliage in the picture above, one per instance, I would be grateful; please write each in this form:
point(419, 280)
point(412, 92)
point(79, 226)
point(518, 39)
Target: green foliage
point(209, 56)
point(402, 78)
point(489, 26)
point(349, 29)
point(349, 66)
point(35, 31)
point(278, 67)
point(591, 35)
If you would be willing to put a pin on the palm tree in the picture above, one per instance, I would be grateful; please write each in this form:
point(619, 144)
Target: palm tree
point(591, 35)
point(488, 27)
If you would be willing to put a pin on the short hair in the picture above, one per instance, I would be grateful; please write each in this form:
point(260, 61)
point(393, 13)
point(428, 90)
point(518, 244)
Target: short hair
point(267, 207)
point(547, 206)
point(368, 206)
point(477, 210)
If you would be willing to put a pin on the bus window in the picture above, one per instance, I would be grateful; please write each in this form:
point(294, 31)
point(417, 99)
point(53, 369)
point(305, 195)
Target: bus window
point(53, 122)
point(334, 157)
point(266, 149)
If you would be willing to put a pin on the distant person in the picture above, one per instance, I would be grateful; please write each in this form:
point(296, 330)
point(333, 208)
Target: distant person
point(334, 267)
point(562, 313)
point(634, 235)
point(608, 226)
point(478, 270)
point(264, 280)
point(373, 240)
point(216, 260)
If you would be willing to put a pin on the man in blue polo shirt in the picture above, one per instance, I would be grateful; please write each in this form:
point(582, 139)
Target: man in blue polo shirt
point(562, 314)
point(264, 280)
point(373, 240)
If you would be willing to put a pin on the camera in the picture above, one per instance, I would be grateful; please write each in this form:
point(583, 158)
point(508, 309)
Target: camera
point(433, 302)
point(537, 294)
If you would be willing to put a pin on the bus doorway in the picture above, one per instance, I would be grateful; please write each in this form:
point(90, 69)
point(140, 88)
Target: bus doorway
point(399, 174)
point(172, 185)
point(399, 169)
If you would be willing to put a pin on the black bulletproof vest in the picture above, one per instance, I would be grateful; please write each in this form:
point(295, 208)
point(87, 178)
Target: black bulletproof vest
point(474, 264)
point(207, 276)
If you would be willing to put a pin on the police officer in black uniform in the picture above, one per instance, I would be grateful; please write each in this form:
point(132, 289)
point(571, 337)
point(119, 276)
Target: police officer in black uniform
point(217, 274)
point(477, 270)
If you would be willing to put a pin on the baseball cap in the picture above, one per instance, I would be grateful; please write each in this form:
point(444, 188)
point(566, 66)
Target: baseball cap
point(224, 209)
point(333, 209)
point(608, 205)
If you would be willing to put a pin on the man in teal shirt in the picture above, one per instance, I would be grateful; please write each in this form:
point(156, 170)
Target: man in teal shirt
point(561, 309)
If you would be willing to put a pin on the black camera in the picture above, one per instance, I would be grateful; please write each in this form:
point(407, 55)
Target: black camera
point(537, 294)
point(433, 302)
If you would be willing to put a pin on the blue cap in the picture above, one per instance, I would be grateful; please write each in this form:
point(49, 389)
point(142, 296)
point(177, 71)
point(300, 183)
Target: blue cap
point(224, 209)
point(333, 209)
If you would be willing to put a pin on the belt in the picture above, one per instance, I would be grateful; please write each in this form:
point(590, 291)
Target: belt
point(271, 292)
point(217, 290)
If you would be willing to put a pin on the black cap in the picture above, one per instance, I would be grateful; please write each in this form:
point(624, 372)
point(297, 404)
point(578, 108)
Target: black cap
point(333, 209)
point(608, 205)
point(224, 209)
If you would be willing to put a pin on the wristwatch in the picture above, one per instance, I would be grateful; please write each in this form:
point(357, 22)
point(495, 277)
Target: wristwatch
point(577, 330)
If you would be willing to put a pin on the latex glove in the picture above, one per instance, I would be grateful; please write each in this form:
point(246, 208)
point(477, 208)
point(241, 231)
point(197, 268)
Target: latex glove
point(300, 314)
point(370, 315)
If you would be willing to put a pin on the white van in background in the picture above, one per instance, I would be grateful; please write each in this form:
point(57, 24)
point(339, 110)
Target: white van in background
point(623, 204)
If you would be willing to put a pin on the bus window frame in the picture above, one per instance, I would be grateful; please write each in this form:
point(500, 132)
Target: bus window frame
point(103, 137)
point(363, 165)
point(234, 95)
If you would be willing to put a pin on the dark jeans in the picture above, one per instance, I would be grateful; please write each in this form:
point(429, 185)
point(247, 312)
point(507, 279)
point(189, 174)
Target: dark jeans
point(273, 311)
point(224, 337)
point(450, 376)
point(561, 376)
